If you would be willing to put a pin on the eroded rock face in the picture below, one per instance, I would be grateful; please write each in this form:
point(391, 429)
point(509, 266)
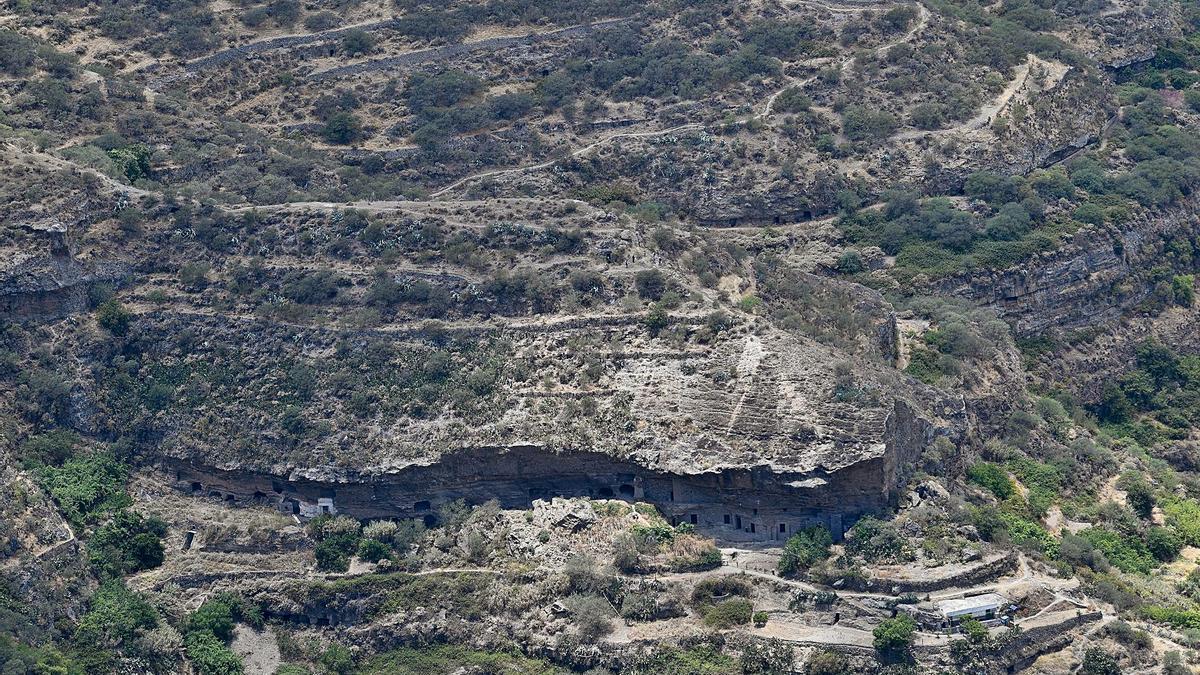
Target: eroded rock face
point(752, 431)
point(1094, 278)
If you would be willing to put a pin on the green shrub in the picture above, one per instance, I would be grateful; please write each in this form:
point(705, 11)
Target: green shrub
point(113, 316)
point(728, 613)
point(85, 488)
point(804, 549)
point(336, 660)
point(1163, 543)
point(51, 448)
point(875, 540)
point(992, 478)
point(114, 617)
point(128, 543)
point(210, 656)
point(1127, 553)
point(894, 637)
point(373, 551)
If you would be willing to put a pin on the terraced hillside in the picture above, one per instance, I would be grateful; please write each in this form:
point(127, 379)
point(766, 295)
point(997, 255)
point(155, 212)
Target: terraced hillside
point(393, 337)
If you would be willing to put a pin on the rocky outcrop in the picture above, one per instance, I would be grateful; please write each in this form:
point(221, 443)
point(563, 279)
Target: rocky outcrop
point(1096, 276)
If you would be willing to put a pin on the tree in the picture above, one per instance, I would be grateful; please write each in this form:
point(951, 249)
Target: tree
point(133, 161)
point(342, 128)
point(1164, 543)
point(355, 42)
point(113, 316)
point(128, 543)
point(1097, 662)
point(805, 549)
point(894, 637)
point(1140, 496)
point(975, 631)
point(650, 284)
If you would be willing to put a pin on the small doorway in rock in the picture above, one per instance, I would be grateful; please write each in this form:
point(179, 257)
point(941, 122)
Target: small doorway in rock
point(695, 519)
point(739, 522)
point(188, 538)
point(783, 528)
point(728, 518)
point(752, 528)
point(626, 490)
point(295, 504)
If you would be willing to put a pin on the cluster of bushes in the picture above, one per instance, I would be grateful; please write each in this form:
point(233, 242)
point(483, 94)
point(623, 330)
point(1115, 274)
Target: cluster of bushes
point(804, 549)
point(208, 631)
point(119, 624)
point(876, 540)
point(128, 543)
point(723, 602)
point(183, 27)
point(1155, 401)
point(442, 105)
point(87, 487)
point(338, 539)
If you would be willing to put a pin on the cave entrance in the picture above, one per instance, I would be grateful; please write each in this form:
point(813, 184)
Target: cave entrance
point(421, 506)
point(626, 490)
point(197, 487)
point(429, 521)
point(606, 492)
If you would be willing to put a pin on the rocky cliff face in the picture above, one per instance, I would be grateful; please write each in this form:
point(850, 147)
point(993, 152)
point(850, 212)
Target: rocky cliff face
point(1097, 276)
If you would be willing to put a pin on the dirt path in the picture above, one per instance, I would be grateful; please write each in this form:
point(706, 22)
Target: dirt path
point(459, 49)
point(985, 115)
point(575, 153)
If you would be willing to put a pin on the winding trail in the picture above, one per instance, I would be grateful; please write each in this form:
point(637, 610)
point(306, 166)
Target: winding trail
point(693, 126)
point(922, 22)
point(985, 115)
point(450, 51)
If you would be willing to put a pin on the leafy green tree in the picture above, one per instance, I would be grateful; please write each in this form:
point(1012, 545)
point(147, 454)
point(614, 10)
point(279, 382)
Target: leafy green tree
point(133, 161)
point(113, 316)
point(1140, 496)
point(894, 637)
point(805, 549)
point(128, 543)
point(1164, 543)
point(342, 128)
point(975, 631)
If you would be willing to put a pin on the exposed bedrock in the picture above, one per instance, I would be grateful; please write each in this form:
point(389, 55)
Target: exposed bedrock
point(744, 503)
point(1096, 277)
